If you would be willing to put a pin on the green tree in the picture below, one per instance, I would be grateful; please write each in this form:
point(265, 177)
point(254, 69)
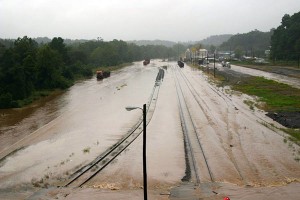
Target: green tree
point(255, 42)
point(2, 49)
point(285, 42)
point(57, 44)
point(50, 66)
point(24, 47)
point(238, 52)
point(5, 100)
point(30, 72)
point(18, 69)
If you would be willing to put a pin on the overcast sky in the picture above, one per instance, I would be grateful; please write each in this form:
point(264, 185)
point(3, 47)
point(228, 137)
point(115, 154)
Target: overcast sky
point(175, 20)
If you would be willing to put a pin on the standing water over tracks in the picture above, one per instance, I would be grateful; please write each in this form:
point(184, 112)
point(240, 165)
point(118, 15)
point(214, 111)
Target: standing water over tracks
point(70, 129)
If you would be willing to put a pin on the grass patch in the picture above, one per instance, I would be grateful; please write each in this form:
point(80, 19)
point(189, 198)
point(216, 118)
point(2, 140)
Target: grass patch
point(250, 104)
point(294, 133)
point(277, 96)
point(273, 96)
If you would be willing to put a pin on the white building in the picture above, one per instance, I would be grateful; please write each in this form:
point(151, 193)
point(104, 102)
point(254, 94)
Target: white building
point(199, 54)
point(188, 55)
point(195, 55)
point(203, 53)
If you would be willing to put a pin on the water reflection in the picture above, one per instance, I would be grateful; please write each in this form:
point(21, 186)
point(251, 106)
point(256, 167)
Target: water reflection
point(16, 124)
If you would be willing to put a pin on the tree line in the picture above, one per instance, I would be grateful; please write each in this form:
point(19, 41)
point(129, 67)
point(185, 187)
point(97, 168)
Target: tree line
point(27, 67)
point(249, 44)
point(285, 42)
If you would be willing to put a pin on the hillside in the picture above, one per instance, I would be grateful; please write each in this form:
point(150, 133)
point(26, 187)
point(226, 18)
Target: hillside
point(253, 43)
point(152, 42)
point(45, 40)
point(215, 40)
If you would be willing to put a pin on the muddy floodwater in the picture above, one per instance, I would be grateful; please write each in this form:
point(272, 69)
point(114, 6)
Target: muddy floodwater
point(43, 144)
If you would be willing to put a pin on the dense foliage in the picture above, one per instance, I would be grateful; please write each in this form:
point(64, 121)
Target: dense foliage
point(285, 42)
point(251, 44)
point(27, 67)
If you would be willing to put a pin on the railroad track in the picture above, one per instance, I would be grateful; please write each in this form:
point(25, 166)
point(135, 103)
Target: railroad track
point(210, 119)
point(231, 109)
point(197, 167)
point(252, 115)
point(89, 171)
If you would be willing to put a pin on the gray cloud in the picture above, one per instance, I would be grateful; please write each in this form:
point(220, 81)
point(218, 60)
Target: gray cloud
point(176, 20)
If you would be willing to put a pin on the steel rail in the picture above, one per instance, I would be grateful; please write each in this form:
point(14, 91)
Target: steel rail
point(116, 147)
point(191, 86)
point(195, 130)
point(188, 150)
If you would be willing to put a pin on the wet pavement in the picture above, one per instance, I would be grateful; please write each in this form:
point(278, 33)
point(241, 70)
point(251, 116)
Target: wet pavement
point(279, 77)
point(245, 155)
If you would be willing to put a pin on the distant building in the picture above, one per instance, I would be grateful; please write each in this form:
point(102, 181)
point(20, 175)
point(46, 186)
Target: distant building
point(194, 55)
point(267, 53)
point(188, 55)
point(224, 55)
point(203, 53)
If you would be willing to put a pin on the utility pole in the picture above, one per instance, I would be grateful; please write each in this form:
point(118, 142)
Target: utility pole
point(144, 152)
point(207, 63)
point(129, 108)
point(230, 54)
point(178, 50)
point(214, 64)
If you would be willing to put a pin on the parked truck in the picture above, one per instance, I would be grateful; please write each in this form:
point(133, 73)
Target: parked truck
point(102, 74)
point(146, 61)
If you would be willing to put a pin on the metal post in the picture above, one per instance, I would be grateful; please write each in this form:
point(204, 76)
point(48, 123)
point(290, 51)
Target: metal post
point(214, 65)
point(144, 153)
point(207, 64)
point(230, 54)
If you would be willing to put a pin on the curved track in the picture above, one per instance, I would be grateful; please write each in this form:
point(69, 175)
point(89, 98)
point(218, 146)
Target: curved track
point(86, 173)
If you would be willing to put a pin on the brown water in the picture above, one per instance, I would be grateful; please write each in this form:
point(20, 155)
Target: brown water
point(90, 115)
point(16, 124)
point(245, 156)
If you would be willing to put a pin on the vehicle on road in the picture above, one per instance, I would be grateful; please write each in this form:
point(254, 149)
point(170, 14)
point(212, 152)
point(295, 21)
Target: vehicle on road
point(225, 64)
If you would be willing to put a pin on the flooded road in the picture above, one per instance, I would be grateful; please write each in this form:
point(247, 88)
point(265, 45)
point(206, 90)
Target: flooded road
point(292, 81)
point(15, 124)
point(90, 117)
point(244, 152)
